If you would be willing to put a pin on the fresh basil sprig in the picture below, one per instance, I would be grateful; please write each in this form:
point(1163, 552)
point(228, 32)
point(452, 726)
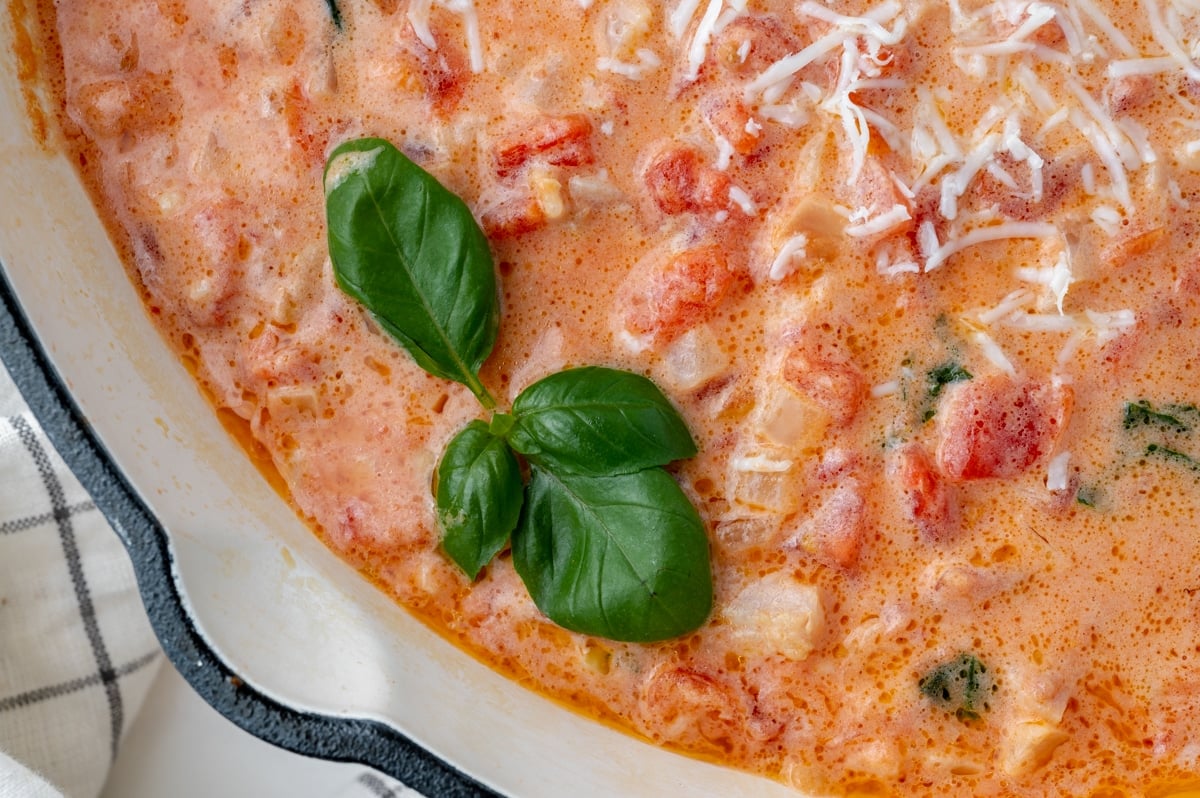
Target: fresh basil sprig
point(604, 538)
point(478, 495)
point(410, 251)
point(614, 556)
point(598, 421)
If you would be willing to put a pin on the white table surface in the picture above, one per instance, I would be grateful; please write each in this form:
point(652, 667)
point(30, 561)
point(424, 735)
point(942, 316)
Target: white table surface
point(180, 747)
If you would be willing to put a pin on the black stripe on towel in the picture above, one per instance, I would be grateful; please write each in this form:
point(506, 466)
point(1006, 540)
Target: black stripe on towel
point(73, 686)
point(83, 597)
point(29, 522)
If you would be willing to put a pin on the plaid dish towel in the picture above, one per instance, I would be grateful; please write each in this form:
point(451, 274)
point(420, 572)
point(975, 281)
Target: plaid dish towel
point(77, 654)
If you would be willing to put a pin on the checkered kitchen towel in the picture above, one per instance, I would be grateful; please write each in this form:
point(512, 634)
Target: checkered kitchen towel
point(77, 653)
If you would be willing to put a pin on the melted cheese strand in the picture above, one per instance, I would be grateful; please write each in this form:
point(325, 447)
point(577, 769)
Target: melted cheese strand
point(418, 17)
point(1101, 20)
point(1057, 474)
point(678, 20)
point(1108, 156)
point(698, 50)
point(992, 351)
point(870, 23)
point(1140, 66)
point(984, 235)
point(1163, 36)
point(888, 220)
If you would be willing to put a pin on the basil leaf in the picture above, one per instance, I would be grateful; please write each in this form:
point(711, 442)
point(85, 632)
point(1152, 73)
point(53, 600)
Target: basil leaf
point(479, 495)
point(623, 557)
point(598, 421)
point(410, 251)
point(335, 13)
point(961, 686)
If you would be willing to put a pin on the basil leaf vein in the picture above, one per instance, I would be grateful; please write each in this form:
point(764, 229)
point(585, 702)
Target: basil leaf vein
point(479, 496)
point(598, 421)
point(409, 250)
point(623, 557)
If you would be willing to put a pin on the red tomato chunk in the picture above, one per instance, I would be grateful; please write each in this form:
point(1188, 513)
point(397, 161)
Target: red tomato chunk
point(998, 426)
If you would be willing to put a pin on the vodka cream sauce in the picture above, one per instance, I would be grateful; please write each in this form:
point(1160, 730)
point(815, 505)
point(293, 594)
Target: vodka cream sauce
point(920, 276)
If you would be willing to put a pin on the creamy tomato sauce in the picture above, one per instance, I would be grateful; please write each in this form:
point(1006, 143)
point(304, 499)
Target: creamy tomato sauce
point(919, 275)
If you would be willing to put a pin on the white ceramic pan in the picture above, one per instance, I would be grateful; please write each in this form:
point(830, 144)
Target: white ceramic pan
point(269, 627)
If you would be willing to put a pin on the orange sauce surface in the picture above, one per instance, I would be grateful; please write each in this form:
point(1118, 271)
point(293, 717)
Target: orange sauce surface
point(904, 267)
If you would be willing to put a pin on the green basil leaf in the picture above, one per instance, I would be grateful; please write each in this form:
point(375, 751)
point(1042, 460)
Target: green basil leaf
point(479, 496)
point(623, 557)
point(410, 251)
point(335, 13)
point(598, 421)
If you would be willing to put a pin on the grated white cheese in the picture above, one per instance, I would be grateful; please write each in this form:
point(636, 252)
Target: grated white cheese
point(1107, 219)
point(1176, 194)
point(1165, 38)
point(1057, 473)
point(927, 240)
point(1108, 156)
point(698, 50)
point(1057, 278)
point(1010, 304)
point(1112, 131)
point(647, 61)
point(743, 200)
point(724, 152)
point(1087, 177)
point(885, 389)
point(845, 28)
point(1106, 26)
point(1107, 326)
point(1140, 66)
point(885, 266)
point(888, 220)
point(982, 235)
point(956, 184)
point(790, 255)
point(1040, 322)
point(992, 351)
point(679, 18)
point(418, 18)
point(789, 115)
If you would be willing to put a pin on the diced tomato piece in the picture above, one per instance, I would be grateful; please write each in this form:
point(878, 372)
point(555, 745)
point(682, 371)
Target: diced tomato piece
point(1125, 93)
point(680, 181)
point(730, 119)
point(834, 384)
point(685, 291)
point(1058, 179)
point(875, 189)
point(931, 504)
point(998, 426)
point(752, 42)
point(836, 529)
point(138, 106)
point(442, 73)
point(306, 129)
point(287, 36)
point(556, 140)
point(683, 705)
point(513, 217)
